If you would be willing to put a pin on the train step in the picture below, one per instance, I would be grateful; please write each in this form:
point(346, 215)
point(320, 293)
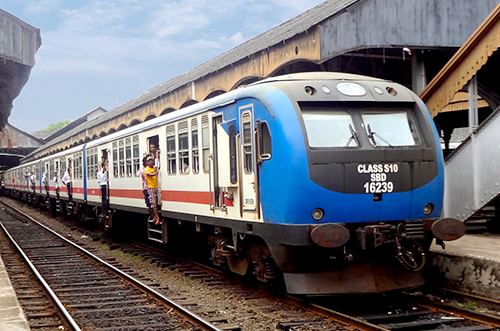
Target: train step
point(157, 232)
point(58, 206)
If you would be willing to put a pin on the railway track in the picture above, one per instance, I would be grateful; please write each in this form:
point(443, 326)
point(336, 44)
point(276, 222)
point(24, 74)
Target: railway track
point(96, 294)
point(403, 311)
point(40, 309)
point(415, 313)
point(322, 320)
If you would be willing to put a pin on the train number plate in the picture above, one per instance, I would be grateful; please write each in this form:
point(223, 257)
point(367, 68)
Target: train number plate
point(378, 182)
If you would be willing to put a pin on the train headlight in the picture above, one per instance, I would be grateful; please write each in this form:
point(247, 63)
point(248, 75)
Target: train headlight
point(310, 90)
point(351, 89)
point(428, 208)
point(318, 214)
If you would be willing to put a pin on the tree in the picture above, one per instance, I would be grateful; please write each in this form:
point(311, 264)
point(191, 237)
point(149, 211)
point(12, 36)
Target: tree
point(57, 126)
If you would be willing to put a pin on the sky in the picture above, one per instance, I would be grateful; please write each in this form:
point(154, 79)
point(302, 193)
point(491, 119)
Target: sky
point(105, 53)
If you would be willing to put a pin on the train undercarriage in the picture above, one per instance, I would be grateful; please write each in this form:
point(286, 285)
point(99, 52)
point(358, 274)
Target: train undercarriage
point(310, 259)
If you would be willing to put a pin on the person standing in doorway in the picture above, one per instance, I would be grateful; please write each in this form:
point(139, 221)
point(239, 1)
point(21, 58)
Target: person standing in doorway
point(151, 173)
point(144, 183)
point(56, 184)
point(155, 153)
point(67, 179)
point(32, 180)
point(45, 182)
point(102, 178)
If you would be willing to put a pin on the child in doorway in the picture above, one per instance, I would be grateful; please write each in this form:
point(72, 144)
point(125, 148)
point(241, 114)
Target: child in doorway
point(144, 182)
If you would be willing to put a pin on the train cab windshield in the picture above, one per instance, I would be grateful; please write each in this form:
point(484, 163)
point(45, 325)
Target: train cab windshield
point(389, 128)
point(328, 126)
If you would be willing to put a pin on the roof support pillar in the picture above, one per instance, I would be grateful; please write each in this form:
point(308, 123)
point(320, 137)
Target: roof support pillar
point(473, 105)
point(418, 76)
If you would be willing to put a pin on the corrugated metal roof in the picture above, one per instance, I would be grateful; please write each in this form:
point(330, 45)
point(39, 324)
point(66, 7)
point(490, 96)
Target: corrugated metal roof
point(284, 31)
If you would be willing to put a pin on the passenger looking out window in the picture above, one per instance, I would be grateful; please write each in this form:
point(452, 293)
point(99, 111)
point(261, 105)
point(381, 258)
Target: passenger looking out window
point(155, 153)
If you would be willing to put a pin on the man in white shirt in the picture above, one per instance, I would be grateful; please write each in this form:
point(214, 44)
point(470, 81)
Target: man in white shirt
point(66, 180)
point(102, 179)
point(56, 184)
point(45, 182)
point(32, 180)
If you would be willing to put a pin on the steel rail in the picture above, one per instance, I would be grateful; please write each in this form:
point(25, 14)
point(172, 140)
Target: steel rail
point(357, 324)
point(65, 314)
point(190, 316)
point(456, 311)
point(482, 300)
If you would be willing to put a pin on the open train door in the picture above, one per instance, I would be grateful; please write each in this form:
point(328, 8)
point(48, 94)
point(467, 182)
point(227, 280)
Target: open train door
point(249, 182)
point(215, 189)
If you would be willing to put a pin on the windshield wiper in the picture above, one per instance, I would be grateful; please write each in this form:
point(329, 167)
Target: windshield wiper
point(354, 136)
point(372, 134)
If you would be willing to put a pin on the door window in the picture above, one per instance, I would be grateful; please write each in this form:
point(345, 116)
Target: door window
point(247, 142)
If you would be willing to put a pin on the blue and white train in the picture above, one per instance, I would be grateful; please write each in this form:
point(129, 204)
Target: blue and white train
point(332, 182)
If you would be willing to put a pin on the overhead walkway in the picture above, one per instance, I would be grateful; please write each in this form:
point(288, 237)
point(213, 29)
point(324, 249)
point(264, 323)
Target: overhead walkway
point(472, 184)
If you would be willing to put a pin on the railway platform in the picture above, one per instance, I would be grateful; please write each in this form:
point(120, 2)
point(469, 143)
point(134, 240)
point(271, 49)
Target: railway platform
point(12, 317)
point(470, 264)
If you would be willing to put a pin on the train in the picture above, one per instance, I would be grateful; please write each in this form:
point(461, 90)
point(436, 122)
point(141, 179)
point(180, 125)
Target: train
point(329, 182)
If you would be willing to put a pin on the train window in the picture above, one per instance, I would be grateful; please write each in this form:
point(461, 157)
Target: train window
point(79, 158)
point(183, 136)
point(92, 163)
point(128, 156)
point(52, 169)
point(205, 143)
point(80, 165)
point(95, 155)
point(121, 154)
point(232, 155)
point(247, 142)
point(388, 128)
point(89, 164)
point(264, 141)
point(63, 164)
point(194, 144)
point(135, 148)
point(115, 159)
point(171, 160)
point(77, 166)
point(329, 128)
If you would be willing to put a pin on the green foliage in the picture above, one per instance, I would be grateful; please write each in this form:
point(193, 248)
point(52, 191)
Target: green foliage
point(471, 305)
point(57, 126)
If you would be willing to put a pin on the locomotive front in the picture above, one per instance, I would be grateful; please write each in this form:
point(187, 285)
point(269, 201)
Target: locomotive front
point(366, 177)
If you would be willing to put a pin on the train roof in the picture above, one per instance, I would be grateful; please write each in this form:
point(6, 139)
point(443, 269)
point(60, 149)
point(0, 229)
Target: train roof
point(222, 100)
point(318, 75)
